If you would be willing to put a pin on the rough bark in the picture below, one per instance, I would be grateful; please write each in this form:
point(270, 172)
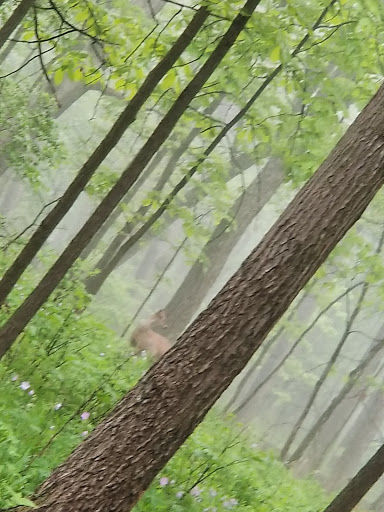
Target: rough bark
point(202, 276)
point(117, 462)
point(14, 20)
point(264, 379)
point(14, 326)
point(360, 484)
point(125, 119)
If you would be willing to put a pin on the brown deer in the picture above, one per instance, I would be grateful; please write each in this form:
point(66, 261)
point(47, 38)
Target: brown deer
point(145, 338)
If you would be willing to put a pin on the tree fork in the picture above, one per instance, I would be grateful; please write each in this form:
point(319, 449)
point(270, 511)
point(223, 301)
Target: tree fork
point(123, 454)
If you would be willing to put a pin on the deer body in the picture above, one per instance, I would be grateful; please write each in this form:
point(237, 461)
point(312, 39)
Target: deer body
point(145, 338)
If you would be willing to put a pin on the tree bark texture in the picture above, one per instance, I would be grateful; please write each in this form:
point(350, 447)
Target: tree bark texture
point(14, 326)
point(73, 191)
point(111, 469)
point(202, 276)
point(360, 484)
point(14, 20)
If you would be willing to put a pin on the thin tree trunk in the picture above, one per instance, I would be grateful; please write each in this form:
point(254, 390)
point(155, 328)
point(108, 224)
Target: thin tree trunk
point(267, 378)
point(125, 119)
point(202, 276)
point(353, 377)
point(94, 282)
point(360, 484)
point(14, 326)
point(151, 167)
point(117, 462)
point(127, 246)
point(330, 364)
point(109, 266)
point(14, 20)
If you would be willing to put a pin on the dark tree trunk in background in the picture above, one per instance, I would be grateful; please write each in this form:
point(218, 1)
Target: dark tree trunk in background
point(365, 428)
point(14, 20)
point(353, 378)
point(360, 484)
point(202, 276)
point(14, 326)
point(111, 469)
point(127, 246)
point(94, 282)
point(125, 119)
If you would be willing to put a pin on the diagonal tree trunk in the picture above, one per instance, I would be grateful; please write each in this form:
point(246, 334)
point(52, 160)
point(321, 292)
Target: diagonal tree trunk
point(14, 326)
point(14, 20)
point(94, 282)
point(360, 484)
point(111, 469)
point(125, 119)
point(353, 378)
point(121, 253)
point(202, 276)
point(329, 365)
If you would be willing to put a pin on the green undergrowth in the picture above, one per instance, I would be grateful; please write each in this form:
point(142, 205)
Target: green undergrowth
point(68, 370)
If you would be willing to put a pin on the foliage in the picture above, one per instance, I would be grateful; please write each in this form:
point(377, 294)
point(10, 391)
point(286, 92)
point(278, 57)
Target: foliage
point(68, 370)
point(219, 469)
point(28, 138)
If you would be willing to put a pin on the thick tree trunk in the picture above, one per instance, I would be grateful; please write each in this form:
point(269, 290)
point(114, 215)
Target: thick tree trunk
point(14, 326)
point(14, 20)
point(125, 119)
point(202, 276)
point(360, 484)
point(120, 458)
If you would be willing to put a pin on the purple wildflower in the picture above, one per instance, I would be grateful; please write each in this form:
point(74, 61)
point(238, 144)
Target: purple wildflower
point(85, 415)
point(25, 385)
point(164, 481)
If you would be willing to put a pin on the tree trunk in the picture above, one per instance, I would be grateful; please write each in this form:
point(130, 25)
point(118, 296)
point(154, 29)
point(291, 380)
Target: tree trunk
point(111, 469)
point(125, 119)
point(360, 435)
point(360, 484)
point(14, 326)
point(14, 20)
point(94, 282)
point(127, 246)
point(330, 364)
point(202, 275)
point(353, 377)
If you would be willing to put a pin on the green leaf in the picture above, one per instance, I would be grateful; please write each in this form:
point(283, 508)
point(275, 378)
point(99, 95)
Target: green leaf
point(275, 54)
point(58, 76)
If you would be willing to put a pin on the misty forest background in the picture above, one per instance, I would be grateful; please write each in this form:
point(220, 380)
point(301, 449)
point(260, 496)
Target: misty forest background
point(307, 412)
